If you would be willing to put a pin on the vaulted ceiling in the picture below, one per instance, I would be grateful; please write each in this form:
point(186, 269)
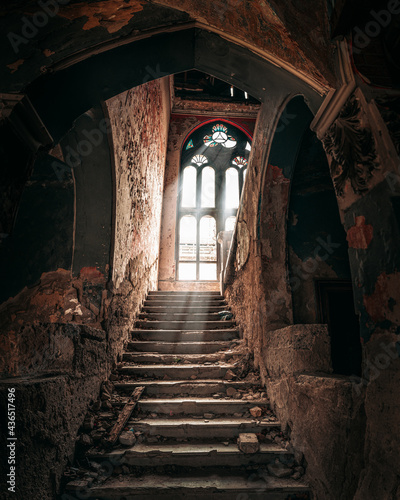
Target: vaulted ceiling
point(293, 34)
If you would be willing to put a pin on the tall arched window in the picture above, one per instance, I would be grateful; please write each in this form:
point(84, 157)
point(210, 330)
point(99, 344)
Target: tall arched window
point(213, 166)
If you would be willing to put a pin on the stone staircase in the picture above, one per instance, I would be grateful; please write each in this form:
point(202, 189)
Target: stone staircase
point(200, 394)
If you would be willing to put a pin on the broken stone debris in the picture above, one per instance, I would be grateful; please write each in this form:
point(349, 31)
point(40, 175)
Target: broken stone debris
point(127, 438)
point(230, 375)
point(279, 470)
point(248, 443)
point(256, 412)
point(231, 391)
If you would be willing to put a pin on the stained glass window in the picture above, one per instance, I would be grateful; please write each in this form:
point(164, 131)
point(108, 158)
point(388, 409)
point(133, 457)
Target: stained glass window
point(199, 160)
point(213, 166)
point(219, 136)
point(240, 162)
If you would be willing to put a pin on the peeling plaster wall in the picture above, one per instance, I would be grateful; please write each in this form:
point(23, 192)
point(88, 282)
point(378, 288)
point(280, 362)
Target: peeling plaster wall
point(71, 323)
point(139, 120)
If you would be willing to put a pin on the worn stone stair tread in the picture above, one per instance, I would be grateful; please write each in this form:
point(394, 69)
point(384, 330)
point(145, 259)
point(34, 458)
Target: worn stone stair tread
point(182, 303)
point(176, 370)
point(198, 386)
point(191, 366)
point(189, 292)
point(178, 348)
point(182, 332)
point(175, 383)
point(180, 316)
point(188, 296)
point(195, 422)
point(186, 336)
point(198, 400)
point(186, 309)
point(170, 359)
point(115, 488)
point(194, 405)
point(190, 449)
point(184, 325)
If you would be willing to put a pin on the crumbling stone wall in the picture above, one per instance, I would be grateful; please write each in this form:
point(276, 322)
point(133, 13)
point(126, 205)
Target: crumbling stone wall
point(139, 121)
point(61, 335)
point(347, 427)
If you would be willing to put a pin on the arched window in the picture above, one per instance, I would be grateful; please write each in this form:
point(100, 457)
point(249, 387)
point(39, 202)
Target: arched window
point(213, 165)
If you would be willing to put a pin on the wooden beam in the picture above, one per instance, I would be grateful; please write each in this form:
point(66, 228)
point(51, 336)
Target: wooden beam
point(124, 416)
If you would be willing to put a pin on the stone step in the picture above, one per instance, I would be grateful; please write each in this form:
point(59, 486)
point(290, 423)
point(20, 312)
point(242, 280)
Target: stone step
point(176, 359)
point(192, 428)
point(184, 325)
point(220, 485)
point(172, 315)
point(195, 406)
point(211, 295)
point(187, 309)
point(192, 455)
point(165, 302)
point(176, 372)
point(179, 347)
point(200, 387)
point(186, 336)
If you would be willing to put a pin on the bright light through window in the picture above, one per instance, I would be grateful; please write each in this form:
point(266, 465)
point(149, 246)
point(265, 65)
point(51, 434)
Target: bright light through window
point(187, 271)
point(208, 272)
point(214, 160)
point(187, 242)
point(189, 187)
point(230, 223)
point(232, 188)
point(208, 187)
point(208, 239)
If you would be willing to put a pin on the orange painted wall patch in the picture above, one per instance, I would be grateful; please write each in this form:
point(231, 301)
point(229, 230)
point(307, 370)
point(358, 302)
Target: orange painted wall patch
point(361, 234)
